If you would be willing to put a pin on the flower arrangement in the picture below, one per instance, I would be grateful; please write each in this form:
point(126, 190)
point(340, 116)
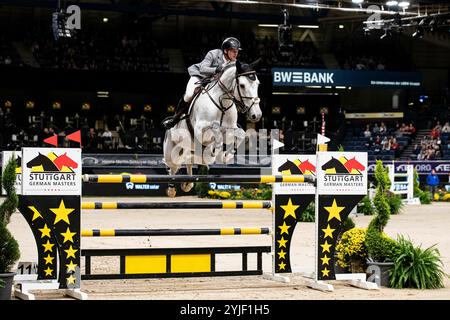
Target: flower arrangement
point(262, 192)
point(351, 250)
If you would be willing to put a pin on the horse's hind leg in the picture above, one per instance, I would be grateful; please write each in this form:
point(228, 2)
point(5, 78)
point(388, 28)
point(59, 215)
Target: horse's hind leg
point(187, 186)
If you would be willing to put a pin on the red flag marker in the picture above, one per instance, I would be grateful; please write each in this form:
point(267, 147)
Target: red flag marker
point(53, 140)
point(76, 136)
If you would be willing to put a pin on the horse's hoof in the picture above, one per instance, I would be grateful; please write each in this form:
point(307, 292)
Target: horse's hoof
point(171, 192)
point(186, 187)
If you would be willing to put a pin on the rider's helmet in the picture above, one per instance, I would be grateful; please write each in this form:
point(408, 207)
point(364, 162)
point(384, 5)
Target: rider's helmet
point(231, 43)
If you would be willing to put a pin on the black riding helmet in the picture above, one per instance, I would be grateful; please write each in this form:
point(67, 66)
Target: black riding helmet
point(231, 43)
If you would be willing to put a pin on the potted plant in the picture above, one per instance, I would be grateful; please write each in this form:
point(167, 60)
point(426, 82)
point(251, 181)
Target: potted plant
point(351, 251)
point(9, 248)
point(381, 248)
point(416, 267)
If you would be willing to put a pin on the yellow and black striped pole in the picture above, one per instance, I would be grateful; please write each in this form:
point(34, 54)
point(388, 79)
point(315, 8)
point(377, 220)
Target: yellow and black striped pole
point(178, 205)
point(141, 178)
point(172, 232)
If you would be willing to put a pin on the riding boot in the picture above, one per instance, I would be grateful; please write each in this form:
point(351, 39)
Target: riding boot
point(170, 122)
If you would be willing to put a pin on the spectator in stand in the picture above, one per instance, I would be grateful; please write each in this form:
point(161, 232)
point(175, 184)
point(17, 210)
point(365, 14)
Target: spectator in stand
point(435, 133)
point(383, 129)
point(107, 139)
point(368, 143)
point(404, 129)
point(395, 146)
point(377, 144)
point(92, 139)
point(446, 128)
point(385, 143)
point(433, 181)
point(411, 129)
point(367, 133)
point(416, 151)
point(376, 129)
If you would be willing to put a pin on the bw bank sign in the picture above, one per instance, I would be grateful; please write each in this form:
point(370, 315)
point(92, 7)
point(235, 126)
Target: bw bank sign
point(330, 77)
point(303, 77)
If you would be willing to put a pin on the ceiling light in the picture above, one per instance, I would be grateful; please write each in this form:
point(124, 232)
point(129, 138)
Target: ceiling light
point(404, 4)
point(306, 26)
point(268, 25)
point(357, 1)
point(391, 3)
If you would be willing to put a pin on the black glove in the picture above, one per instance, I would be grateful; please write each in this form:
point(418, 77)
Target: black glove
point(219, 68)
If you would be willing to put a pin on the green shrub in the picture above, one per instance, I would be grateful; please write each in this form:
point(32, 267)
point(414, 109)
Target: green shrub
point(9, 248)
point(201, 188)
point(8, 181)
point(348, 224)
point(365, 206)
point(379, 246)
point(425, 197)
point(395, 202)
point(415, 267)
point(309, 215)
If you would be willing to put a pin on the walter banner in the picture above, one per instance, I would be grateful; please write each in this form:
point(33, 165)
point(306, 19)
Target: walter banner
point(291, 200)
point(341, 184)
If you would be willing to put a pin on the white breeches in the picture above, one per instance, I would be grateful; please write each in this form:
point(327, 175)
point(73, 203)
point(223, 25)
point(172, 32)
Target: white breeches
point(190, 88)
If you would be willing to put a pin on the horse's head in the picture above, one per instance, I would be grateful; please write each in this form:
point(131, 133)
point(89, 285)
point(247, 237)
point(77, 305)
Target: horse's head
point(245, 88)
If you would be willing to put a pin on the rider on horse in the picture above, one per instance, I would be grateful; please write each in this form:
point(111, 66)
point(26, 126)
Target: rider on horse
point(211, 65)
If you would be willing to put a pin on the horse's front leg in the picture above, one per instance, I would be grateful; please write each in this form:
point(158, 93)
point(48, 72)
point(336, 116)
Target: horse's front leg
point(233, 139)
point(187, 186)
point(210, 136)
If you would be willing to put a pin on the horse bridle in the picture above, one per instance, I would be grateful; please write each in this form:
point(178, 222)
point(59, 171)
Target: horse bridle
point(229, 93)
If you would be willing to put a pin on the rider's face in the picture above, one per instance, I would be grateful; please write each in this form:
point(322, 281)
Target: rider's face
point(232, 54)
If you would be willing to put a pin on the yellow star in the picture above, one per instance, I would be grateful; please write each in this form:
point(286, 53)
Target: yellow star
point(71, 266)
point(48, 271)
point(48, 259)
point(325, 260)
point(61, 213)
point(325, 247)
point(48, 246)
point(45, 231)
point(36, 214)
point(325, 272)
point(334, 211)
point(68, 236)
point(289, 209)
point(282, 254)
point(71, 252)
point(284, 228)
point(282, 242)
point(328, 232)
point(281, 266)
point(71, 279)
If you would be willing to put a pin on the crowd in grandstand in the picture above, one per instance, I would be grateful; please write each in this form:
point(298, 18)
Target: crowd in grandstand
point(90, 51)
point(432, 147)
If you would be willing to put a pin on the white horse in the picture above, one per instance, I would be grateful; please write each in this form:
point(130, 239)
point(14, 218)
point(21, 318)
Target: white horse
point(198, 138)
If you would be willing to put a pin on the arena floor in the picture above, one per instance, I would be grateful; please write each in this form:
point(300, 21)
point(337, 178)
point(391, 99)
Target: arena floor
point(426, 225)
